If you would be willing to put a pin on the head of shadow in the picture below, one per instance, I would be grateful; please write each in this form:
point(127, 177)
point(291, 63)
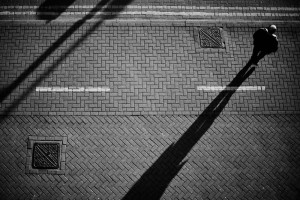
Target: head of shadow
point(51, 9)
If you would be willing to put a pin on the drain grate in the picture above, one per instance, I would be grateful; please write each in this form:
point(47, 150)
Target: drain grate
point(210, 37)
point(45, 156)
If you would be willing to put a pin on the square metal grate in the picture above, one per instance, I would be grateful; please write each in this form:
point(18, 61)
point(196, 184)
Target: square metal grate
point(45, 155)
point(210, 37)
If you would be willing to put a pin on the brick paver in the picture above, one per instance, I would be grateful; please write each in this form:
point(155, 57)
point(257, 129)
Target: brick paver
point(148, 133)
point(149, 69)
point(239, 157)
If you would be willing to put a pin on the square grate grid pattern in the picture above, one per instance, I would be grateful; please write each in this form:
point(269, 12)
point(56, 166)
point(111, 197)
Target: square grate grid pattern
point(210, 37)
point(45, 156)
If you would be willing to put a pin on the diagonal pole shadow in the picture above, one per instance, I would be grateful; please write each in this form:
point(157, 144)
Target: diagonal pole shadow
point(54, 46)
point(156, 179)
point(51, 9)
point(6, 91)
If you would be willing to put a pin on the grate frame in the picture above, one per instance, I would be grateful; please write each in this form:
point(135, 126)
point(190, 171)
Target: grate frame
point(56, 153)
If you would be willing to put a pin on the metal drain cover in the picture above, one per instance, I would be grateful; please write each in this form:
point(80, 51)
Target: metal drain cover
point(45, 155)
point(210, 37)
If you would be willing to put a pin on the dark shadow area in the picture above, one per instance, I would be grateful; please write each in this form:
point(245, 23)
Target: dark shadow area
point(52, 9)
point(156, 179)
point(115, 7)
point(8, 90)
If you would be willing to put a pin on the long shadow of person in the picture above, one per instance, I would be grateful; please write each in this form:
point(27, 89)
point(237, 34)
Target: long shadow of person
point(156, 179)
point(52, 9)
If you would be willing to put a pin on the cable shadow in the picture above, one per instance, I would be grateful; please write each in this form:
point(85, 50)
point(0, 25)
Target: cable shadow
point(51, 9)
point(156, 179)
point(5, 92)
point(115, 7)
point(8, 90)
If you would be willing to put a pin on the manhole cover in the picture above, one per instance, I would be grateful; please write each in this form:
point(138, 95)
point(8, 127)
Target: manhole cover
point(45, 156)
point(210, 37)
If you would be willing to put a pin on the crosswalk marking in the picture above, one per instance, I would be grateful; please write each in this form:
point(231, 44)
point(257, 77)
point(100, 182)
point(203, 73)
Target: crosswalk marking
point(72, 89)
point(231, 88)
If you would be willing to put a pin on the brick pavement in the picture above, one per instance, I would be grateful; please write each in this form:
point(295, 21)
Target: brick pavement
point(239, 157)
point(116, 143)
point(132, 60)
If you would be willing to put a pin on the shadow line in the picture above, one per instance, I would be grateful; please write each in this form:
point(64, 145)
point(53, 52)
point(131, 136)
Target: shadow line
point(156, 179)
point(50, 50)
point(8, 90)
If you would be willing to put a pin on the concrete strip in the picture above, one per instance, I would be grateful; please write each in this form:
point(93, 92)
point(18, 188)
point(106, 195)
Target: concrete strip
point(166, 7)
point(158, 13)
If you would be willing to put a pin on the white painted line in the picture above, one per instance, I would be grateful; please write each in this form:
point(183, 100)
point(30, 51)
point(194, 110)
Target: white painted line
point(72, 89)
point(97, 89)
point(231, 88)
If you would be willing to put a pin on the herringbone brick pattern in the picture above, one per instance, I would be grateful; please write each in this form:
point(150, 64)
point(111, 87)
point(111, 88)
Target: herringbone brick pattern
point(149, 69)
point(146, 136)
point(239, 157)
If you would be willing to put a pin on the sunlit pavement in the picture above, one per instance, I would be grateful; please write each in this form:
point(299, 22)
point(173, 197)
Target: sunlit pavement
point(148, 100)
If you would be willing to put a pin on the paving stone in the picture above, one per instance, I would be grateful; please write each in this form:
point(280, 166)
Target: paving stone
point(106, 156)
point(151, 70)
point(153, 133)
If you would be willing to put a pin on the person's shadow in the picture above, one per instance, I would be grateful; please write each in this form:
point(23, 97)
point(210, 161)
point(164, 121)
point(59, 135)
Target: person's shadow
point(51, 9)
point(156, 179)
